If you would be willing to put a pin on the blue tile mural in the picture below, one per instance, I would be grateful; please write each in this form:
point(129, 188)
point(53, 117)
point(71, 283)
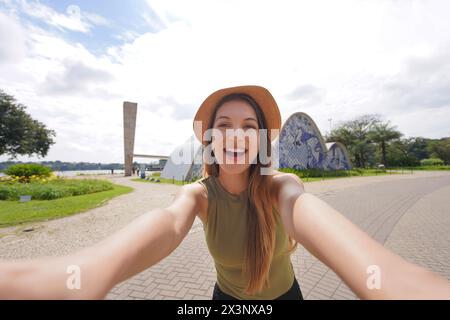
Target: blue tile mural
point(301, 146)
point(337, 157)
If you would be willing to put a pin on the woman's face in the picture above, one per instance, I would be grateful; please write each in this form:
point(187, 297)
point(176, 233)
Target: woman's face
point(236, 141)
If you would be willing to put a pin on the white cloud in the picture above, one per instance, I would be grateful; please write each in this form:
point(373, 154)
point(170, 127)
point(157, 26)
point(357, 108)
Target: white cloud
point(76, 78)
point(95, 19)
point(75, 19)
point(12, 44)
point(127, 36)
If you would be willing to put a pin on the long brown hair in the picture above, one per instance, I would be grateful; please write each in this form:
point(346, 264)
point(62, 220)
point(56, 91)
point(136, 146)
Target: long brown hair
point(261, 219)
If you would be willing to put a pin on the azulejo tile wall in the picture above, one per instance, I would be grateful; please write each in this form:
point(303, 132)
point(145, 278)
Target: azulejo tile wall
point(301, 146)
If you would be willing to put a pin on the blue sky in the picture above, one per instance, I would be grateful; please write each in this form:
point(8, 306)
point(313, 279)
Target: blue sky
point(73, 63)
point(130, 18)
point(121, 19)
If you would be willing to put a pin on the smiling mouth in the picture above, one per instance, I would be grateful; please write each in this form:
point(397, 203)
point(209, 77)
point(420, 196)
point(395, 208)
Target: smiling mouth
point(234, 153)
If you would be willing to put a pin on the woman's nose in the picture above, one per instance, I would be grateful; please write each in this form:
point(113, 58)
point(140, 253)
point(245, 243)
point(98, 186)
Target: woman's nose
point(235, 143)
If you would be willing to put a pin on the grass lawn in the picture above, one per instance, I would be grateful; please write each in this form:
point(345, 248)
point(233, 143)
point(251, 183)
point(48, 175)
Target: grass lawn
point(14, 212)
point(163, 180)
point(350, 173)
point(421, 168)
point(365, 174)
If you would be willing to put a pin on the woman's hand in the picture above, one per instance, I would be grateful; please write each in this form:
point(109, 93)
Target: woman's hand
point(139, 245)
point(82, 275)
point(352, 254)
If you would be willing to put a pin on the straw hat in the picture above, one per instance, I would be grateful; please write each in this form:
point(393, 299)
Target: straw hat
point(261, 95)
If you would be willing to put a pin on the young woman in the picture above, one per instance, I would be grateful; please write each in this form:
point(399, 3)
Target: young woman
point(253, 217)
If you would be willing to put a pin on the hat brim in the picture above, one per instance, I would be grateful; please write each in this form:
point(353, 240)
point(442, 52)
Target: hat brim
point(261, 95)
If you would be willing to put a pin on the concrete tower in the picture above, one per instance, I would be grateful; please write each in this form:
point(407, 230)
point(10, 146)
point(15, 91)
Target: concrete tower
point(129, 129)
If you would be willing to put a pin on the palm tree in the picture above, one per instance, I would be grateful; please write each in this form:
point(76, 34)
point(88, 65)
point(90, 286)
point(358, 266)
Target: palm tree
point(382, 134)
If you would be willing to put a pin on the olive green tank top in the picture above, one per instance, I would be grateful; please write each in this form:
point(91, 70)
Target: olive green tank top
point(225, 232)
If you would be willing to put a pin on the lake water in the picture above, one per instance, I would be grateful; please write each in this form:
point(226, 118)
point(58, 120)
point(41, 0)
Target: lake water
point(86, 172)
point(74, 173)
point(89, 172)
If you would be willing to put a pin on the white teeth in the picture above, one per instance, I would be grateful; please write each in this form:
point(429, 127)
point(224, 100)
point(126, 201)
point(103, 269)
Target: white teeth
point(236, 150)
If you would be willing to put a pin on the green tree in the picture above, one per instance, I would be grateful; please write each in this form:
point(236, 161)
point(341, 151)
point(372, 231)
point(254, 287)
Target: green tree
point(399, 153)
point(354, 134)
point(382, 134)
point(440, 149)
point(417, 147)
point(19, 133)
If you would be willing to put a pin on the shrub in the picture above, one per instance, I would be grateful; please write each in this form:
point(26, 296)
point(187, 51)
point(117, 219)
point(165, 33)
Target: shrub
point(317, 173)
point(431, 162)
point(26, 171)
point(4, 193)
point(53, 189)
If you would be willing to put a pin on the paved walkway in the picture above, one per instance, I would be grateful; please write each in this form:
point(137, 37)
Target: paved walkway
point(410, 214)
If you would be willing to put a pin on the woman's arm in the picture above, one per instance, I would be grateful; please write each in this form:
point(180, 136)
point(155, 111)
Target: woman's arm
point(139, 245)
point(351, 253)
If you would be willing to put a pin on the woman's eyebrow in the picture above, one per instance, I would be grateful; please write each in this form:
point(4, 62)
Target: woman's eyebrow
point(222, 117)
point(225, 117)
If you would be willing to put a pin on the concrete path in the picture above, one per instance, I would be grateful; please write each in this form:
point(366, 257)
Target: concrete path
point(410, 214)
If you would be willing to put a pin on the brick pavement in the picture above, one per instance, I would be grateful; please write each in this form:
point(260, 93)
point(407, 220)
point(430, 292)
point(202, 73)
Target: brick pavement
point(420, 203)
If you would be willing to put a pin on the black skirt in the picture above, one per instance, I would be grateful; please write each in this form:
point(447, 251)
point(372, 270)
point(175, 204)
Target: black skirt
point(294, 293)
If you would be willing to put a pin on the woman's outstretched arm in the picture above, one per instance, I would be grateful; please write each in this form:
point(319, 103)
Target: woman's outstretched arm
point(368, 268)
point(139, 245)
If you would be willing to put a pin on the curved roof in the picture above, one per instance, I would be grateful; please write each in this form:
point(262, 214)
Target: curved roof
point(182, 159)
point(313, 124)
point(339, 145)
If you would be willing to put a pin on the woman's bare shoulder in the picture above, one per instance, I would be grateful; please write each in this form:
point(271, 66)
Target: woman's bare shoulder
point(282, 181)
point(194, 189)
point(282, 178)
point(198, 192)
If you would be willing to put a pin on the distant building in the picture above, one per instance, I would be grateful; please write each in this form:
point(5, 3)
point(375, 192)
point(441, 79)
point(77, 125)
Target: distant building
point(337, 157)
point(159, 166)
point(300, 145)
point(181, 165)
